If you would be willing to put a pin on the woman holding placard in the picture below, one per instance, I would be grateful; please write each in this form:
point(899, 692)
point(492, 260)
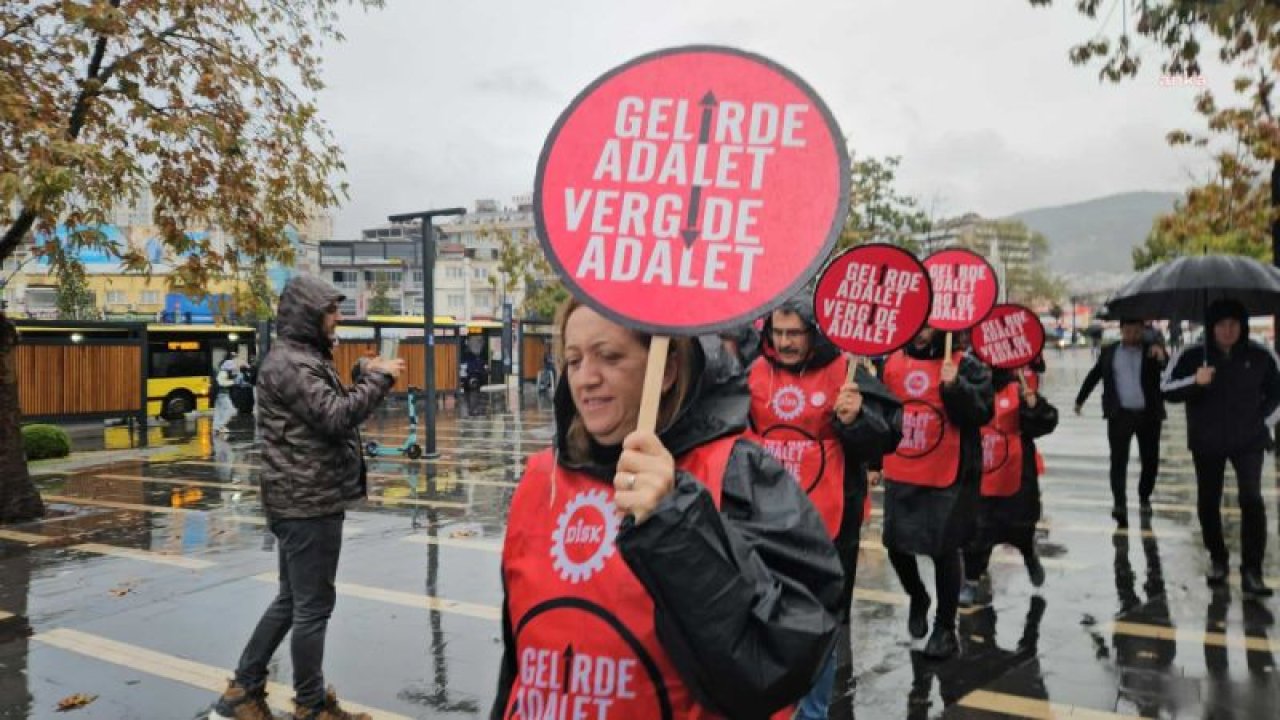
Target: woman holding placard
point(932, 479)
point(681, 574)
point(1010, 504)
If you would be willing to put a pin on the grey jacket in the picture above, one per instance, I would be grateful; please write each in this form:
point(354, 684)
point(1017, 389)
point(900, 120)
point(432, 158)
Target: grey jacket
point(307, 419)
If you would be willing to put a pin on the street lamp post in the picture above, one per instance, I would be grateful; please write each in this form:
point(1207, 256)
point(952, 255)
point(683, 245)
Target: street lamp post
point(429, 314)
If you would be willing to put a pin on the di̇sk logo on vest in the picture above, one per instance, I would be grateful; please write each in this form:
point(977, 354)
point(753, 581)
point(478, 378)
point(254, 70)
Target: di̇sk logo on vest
point(788, 402)
point(584, 536)
point(916, 383)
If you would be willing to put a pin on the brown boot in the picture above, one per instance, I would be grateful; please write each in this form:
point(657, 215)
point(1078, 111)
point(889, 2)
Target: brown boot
point(329, 711)
point(237, 703)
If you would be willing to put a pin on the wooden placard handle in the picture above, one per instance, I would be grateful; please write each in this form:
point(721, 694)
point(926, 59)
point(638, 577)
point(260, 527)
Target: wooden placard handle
point(946, 348)
point(651, 395)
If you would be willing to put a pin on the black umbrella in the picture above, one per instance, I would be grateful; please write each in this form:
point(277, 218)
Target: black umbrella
point(1184, 288)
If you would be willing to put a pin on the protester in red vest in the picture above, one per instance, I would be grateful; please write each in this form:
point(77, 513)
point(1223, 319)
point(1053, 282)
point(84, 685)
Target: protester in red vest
point(672, 575)
point(931, 481)
point(1010, 504)
point(823, 429)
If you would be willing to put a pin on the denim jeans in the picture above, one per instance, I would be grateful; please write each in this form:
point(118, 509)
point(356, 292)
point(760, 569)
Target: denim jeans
point(815, 705)
point(308, 550)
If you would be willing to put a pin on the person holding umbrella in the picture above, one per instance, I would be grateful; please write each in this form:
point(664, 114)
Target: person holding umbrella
point(1231, 387)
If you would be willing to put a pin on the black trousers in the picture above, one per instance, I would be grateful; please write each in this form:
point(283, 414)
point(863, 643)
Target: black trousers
point(308, 551)
point(1210, 476)
point(1122, 426)
point(977, 554)
point(947, 575)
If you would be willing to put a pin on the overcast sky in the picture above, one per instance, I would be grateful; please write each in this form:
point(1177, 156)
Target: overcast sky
point(440, 103)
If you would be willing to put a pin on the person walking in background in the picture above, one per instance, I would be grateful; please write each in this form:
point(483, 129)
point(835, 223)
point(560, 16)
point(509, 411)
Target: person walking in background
point(223, 407)
point(308, 420)
point(1231, 387)
point(1132, 406)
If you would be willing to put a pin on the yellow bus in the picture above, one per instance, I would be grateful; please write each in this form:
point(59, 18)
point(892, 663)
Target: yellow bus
point(182, 361)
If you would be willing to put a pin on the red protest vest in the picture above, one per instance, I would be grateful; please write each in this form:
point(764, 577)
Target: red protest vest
point(1002, 445)
point(792, 416)
point(929, 453)
point(585, 641)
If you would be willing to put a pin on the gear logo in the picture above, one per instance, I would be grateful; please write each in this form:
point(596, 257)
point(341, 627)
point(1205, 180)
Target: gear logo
point(788, 402)
point(584, 536)
point(917, 383)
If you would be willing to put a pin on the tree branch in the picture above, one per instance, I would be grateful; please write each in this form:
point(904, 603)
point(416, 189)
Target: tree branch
point(98, 76)
point(26, 22)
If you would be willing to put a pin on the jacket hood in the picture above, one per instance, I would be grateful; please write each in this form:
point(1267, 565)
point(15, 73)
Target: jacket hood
point(1228, 308)
point(932, 351)
point(300, 316)
point(717, 405)
point(822, 351)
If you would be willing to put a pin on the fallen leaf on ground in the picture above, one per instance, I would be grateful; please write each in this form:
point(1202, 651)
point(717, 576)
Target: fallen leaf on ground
point(75, 702)
point(122, 589)
point(462, 533)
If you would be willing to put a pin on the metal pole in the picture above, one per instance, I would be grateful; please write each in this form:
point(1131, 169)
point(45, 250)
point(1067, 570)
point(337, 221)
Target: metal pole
point(428, 316)
point(144, 367)
point(429, 333)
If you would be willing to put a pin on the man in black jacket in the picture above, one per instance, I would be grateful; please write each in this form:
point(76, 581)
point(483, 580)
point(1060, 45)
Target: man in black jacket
point(1132, 405)
point(1231, 386)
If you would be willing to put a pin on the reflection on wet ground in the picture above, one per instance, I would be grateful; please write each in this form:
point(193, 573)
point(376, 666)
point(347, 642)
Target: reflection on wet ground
point(147, 576)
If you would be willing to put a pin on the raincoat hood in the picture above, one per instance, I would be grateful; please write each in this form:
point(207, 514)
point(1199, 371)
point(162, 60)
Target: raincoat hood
point(717, 405)
point(300, 316)
point(932, 351)
point(822, 352)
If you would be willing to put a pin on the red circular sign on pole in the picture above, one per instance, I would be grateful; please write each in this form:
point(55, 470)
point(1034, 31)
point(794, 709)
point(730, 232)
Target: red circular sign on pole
point(1010, 337)
point(964, 289)
point(691, 189)
point(872, 299)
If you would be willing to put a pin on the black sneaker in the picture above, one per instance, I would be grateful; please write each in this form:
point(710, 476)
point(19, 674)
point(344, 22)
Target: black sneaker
point(1251, 583)
point(1217, 576)
point(918, 616)
point(237, 703)
point(942, 644)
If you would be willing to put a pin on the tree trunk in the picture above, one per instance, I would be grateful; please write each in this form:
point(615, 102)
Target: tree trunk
point(19, 500)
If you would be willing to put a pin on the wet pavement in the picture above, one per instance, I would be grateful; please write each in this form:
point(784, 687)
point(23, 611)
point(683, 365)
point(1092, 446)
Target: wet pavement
point(145, 580)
